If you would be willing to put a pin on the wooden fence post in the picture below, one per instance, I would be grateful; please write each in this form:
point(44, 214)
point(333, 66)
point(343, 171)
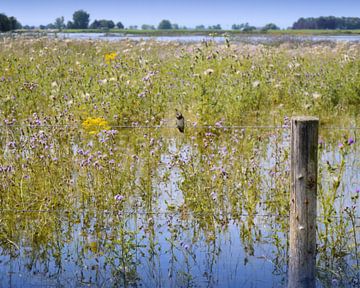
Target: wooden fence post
point(302, 254)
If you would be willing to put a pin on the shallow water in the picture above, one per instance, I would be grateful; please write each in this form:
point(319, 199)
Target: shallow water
point(219, 39)
point(173, 240)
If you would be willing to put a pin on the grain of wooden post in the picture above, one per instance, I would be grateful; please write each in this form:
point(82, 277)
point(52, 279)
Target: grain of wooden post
point(304, 143)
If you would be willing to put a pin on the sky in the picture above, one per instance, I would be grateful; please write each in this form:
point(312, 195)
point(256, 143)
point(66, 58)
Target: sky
point(183, 12)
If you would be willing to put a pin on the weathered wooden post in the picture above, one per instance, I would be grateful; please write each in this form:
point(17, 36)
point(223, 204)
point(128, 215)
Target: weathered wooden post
point(304, 144)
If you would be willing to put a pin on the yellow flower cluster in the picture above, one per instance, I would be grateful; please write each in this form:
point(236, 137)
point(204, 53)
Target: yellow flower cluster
point(95, 125)
point(110, 57)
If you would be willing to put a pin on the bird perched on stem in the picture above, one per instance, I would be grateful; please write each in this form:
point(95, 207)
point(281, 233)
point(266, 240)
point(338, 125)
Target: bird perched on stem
point(180, 121)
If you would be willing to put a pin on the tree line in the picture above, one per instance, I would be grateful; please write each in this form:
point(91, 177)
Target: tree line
point(8, 23)
point(329, 22)
point(81, 20)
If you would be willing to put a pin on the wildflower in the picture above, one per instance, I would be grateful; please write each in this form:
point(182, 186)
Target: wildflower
point(219, 124)
point(256, 84)
point(119, 197)
point(351, 141)
point(11, 145)
point(341, 145)
point(103, 81)
point(110, 57)
point(95, 125)
point(316, 95)
point(208, 71)
point(142, 94)
point(7, 168)
point(213, 195)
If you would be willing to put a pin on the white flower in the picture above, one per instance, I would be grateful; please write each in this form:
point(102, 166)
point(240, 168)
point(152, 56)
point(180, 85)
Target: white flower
point(256, 84)
point(208, 71)
point(316, 95)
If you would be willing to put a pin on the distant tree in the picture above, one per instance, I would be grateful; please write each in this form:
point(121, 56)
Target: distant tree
point(120, 25)
point(249, 28)
point(95, 25)
point(107, 24)
point(200, 27)
point(14, 24)
point(327, 22)
point(215, 27)
point(8, 23)
point(236, 27)
point(81, 19)
point(102, 24)
point(147, 27)
point(51, 26)
point(164, 25)
point(59, 23)
point(270, 26)
point(70, 25)
point(246, 27)
point(133, 27)
point(175, 26)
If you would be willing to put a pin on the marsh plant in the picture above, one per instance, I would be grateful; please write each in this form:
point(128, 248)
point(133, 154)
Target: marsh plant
point(98, 187)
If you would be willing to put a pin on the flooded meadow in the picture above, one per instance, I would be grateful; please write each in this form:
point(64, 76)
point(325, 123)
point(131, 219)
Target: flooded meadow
point(100, 189)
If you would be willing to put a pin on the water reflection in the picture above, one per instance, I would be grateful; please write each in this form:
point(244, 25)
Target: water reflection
point(207, 211)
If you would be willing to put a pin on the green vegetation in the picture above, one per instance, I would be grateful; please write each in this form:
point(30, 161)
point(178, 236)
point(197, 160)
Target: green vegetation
point(90, 151)
point(286, 77)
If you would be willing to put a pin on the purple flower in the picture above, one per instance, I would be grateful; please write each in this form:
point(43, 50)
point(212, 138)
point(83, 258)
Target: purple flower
point(111, 132)
point(119, 197)
point(357, 190)
point(142, 94)
point(11, 145)
point(213, 195)
point(351, 141)
point(341, 145)
point(219, 124)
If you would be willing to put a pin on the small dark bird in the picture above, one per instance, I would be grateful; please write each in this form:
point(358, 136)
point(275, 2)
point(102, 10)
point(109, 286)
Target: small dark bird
point(180, 121)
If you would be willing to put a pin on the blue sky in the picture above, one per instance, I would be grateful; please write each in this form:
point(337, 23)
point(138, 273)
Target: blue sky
point(186, 12)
